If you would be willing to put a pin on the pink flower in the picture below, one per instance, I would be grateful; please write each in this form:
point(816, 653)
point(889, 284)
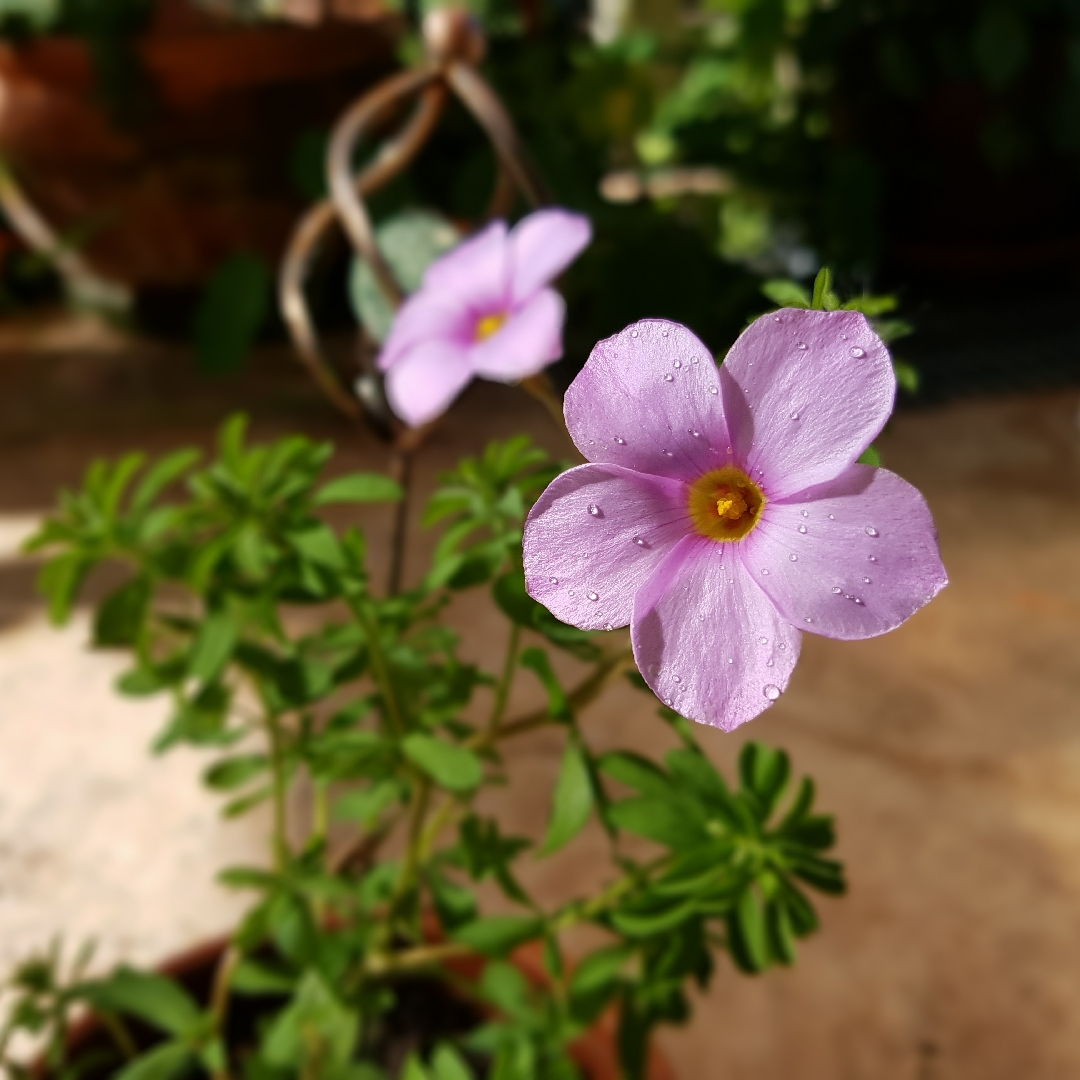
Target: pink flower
point(725, 511)
point(485, 309)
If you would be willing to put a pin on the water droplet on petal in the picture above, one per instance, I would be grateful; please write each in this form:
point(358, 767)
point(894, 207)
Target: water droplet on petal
point(621, 442)
point(696, 434)
point(781, 646)
point(866, 581)
point(872, 558)
point(765, 573)
point(639, 541)
point(836, 589)
point(693, 359)
point(776, 318)
point(763, 640)
point(802, 528)
point(669, 453)
point(793, 557)
point(831, 518)
point(771, 692)
point(714, 390)
point(608, 627)
point(806, 513)
point(592, 596)
point(676, 678)
point(594, 510)
point(633, 333)
point(808, 619)
point(678, 363)
point(769, 662)
point(669, 377)
point(794, 416)
point(857, 600)
point(857, 352)
point(871, 531)
point(663, 333)
point(801, 346)
point(731, 659)
point(554, 581)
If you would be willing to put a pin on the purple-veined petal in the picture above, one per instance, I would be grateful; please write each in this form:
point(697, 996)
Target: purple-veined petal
point(805, 392)
point(649, 399)
point(542, 245)
point(707, 640)
point(425, 316)
point(475, 274)
point(851, 558)
point(529, 340)
point(594, 536)
point(423, 382)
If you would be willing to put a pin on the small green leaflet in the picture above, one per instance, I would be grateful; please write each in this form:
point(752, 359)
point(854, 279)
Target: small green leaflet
point(572, 801)
point(359, 487)
point(453, 767)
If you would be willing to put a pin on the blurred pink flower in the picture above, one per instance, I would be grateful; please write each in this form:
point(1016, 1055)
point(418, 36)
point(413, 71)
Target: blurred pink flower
point(484, 309)
point(725, 511)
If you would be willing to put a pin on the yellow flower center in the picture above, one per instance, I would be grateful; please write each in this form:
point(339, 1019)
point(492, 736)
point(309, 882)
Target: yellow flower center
point(725, 504)
point(487, 326)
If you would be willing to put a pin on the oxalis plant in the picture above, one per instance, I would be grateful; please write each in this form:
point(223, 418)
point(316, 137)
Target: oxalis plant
point(722, 512)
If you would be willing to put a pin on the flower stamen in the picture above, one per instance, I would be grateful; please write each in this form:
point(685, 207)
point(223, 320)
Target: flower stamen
point(725, 504)
point(488, 325)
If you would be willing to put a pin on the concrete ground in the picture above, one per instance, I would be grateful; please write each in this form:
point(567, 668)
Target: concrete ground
point(949, 751)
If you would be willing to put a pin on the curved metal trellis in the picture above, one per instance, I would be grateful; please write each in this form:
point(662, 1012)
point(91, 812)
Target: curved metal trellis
point(454, 45)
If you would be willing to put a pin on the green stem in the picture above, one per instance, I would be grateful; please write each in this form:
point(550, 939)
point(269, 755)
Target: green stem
point(219, 1003)
point(380, 668)
point(277, 768)
point(320, 816)
point(502, 691)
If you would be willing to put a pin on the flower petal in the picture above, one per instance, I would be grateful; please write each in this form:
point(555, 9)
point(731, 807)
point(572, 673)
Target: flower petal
point(424, 381)
point(649, 399)
point(529, 340)
point(599, 531)
point(425, 316)
point(707, 640)
point(475, 274)
point(542, 245)
point(805, 393)
point(868, 558)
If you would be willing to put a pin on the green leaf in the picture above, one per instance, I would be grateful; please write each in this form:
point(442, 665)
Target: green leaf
point(824, 298)
point(668, 821)
point(454, 903)
point(764, 772)
point(505, 986)
point(414, 1069)
point(572, 801)
point(635, 772)
point(315, 1027)
point(254, 977)
point(749, 940)
point(366, 804)
point(230, 314)
point(60, 580)
point(120, 616)
point(448, 1064)
point(453, 767)
point(235, 772)
point(537, 660)
point(359, 487)
point(870, 456)
point(496, 935)
point(161, 1063)
point(213, 646)
point(160, 476)
point(907, 375)
point(786, 293)
point(515, 602)
point(318, 543)
point(153, 998)
point(596, 977)
point(409, 242)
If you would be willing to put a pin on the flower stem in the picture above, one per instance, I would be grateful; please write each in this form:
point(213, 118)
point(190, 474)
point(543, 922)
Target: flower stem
point(401, 469)
point(277, 767)
point(502, 691)
point(219, 1003)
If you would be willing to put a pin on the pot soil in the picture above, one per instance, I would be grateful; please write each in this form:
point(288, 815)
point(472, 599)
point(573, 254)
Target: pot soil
point(199, 167)
point(426, 1012)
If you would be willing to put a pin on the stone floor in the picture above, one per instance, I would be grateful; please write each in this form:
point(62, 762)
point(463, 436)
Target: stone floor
point(949, 751)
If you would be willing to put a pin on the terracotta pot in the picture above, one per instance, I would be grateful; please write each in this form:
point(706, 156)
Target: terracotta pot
point(594, 1052)
point(201, 167)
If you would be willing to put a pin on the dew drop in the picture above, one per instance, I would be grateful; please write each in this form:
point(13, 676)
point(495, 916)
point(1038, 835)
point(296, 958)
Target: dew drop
point(554, 581)
point(771, 692)
point(696, 434)
point(676, 678)
point(663, 333)
point(713, 390)
point(763, 640)
point(794, 416)
point(669, 453)
point(857, 600)
point(871, 531)
point(776, 318)
point(801, 346)
point(669, 377)
point(769, 662)
point(639, 541)
point(843, 337)
point(872, 558)
point(694, 359)
point(802, 528)
point(592, 596)
point(765, 573)
point(808, 619)
point(633, 333)
point(621, 442)
point(678, 363)
point(806, 513)
point(594, 510)
point(793, 557)
point(781, 646)
point(608, 627)
point(857, 352)
point(831, 518)
point(836, 589)
point(731, 659)
point(866, 581)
